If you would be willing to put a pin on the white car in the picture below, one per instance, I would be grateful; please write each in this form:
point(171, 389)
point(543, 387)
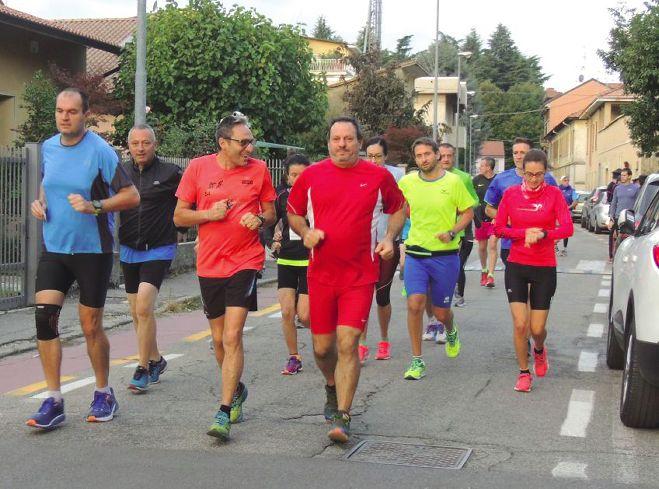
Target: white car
point(633, 336)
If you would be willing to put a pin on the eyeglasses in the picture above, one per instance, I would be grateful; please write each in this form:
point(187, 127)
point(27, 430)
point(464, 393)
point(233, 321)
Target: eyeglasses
point(243, 142)
point(375, 157)
point(529, 175)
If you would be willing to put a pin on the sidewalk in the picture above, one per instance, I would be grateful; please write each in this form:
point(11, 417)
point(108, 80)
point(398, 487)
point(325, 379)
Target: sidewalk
point(17, 330)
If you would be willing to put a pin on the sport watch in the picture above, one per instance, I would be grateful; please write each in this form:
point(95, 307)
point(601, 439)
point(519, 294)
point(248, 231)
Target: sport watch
point(260, 218)
point(452, 234)
point(98, 207)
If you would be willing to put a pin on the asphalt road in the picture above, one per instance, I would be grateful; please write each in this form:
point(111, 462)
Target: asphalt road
point(565, 433)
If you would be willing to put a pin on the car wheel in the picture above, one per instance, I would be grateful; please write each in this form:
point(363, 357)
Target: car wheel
point(583, 222)
point(615, 358)
point(598, 230)
point(639, 400)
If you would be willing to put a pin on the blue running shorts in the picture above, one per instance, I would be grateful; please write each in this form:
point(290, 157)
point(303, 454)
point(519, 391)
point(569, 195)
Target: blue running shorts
point(438, 272)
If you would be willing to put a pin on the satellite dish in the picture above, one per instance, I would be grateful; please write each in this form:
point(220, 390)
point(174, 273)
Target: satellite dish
point(580, 78)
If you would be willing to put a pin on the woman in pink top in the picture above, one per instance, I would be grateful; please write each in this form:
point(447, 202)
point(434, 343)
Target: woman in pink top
point(534, 215)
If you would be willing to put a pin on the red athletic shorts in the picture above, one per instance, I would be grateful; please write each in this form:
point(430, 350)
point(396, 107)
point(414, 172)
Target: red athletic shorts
point(331, 306)
point(483, 232)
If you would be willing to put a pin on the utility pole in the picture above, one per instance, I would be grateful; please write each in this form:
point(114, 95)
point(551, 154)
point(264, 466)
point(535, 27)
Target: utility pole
point(435, 87)
point(140, 64)
point(466, 55)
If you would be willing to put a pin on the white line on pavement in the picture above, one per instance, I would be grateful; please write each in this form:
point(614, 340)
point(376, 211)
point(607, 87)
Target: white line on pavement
point(587, 361)
point(606, 282)
point(604, 293)
point(595, 330)
point(168, 357)
point(68, 387)
point(275, 315)
point(579, 413)
point(593, 266)
point(570, 470)
point(600, 308)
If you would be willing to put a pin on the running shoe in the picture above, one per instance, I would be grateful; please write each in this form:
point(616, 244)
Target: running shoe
point(541, 364)
point(103, 407)
point(563, 252)
point(156, 369)
point(489, 283)
point(431, 330)
point(440, 334)
point(403, 291)
point(459, 301)
point(340, 431)
point(384, 351)
point(221, 426)
point(293, 366)
point(331, 404)
point(363, 353)
point(237, 404)
point(483, 279)
point(453, 344)
point(50, 414)
point(524, 382)
point(417, 369)
point(140, 381)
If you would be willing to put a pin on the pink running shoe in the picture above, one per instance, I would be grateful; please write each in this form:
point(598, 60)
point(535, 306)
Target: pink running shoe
point(384, 351)
point(363, 354)
point(483, 279)
point(524, 382)
point(293, 366)
point(540, 363)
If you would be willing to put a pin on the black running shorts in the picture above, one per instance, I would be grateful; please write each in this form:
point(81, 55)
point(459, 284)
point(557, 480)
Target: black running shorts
point(152, 272)
point(239, 290)
point(292, 277)
point(524, 282)
point(387, 271)
point(58, 271)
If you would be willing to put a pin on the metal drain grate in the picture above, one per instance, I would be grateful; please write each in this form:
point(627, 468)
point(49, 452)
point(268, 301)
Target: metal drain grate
point(392, 453)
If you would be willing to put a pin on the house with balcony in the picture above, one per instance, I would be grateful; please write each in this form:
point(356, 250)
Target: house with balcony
point(447, 99)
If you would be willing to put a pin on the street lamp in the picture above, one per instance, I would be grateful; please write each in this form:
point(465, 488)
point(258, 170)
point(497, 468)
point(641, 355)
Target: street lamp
point(435, 88)
point(140, 64)
point(465, 55)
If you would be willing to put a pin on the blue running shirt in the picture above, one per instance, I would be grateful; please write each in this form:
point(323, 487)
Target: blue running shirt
point(90, 168)
point(501, 182)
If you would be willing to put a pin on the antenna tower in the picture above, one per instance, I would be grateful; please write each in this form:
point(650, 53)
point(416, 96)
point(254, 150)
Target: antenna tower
point(373, 32)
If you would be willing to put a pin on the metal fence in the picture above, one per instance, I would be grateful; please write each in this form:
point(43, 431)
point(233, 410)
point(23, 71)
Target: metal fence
point(13, 210)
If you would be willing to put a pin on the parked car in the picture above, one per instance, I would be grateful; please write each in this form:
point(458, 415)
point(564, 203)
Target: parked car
point(598, 215)
point(591, 201)
point(578, 210)
point(633, 333)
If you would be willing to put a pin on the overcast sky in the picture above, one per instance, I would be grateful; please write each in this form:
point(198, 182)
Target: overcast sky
point(565, 34)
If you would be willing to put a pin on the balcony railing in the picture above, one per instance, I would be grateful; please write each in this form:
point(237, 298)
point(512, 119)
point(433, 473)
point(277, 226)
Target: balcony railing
point(319, 65)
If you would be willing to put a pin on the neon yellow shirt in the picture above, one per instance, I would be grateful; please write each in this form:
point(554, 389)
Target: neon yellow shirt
point(433, 207)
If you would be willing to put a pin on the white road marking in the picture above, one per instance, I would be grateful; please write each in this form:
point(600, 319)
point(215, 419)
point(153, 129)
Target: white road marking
point(570, 470)
point(600, 308)
point(595, 330)
point(275, 315)
point(604, 293)
point(579, 413)
point(248, 328)
point(606, 282)
point(169, 357)
point(587, 361)
point(593, 266)
point(68, 387)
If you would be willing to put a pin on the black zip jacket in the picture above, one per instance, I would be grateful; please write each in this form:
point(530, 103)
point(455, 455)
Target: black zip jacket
point(290, 249)
point(151, 224)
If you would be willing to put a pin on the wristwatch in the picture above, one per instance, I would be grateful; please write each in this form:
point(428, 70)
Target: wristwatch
point(260, 218)
point(98, 207)
point(452, 234)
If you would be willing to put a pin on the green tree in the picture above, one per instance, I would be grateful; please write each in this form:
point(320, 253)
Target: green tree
point(204, 62)
point(378, 98)
point(633, 52)
point(322, 30)
point(473, 44)
point(39, 103)
point(447, 58)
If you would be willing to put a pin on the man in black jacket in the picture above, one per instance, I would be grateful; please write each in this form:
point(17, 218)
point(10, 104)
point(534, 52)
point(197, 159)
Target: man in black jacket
point(292, 262)
point(148, 245)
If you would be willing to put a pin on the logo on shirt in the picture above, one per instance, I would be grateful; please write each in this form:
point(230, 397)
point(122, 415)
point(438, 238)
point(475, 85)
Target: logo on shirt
point(156, 182)
point(247, 182)
point(532, 208)
point(362, 185)
point(212, 185)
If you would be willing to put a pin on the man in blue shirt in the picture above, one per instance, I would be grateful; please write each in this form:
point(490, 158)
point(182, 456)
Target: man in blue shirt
point(572, 199)
point(82, 185)
point(507, 179)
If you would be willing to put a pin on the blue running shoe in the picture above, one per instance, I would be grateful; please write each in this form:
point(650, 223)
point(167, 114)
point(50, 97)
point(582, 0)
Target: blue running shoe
point(139, 384)
point(221, 426)
point(51, 414)
point(237, 404)
point(103, 407)
point(156, 369)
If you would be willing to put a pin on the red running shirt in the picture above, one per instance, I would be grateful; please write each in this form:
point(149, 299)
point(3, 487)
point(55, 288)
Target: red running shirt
point(225, 246)
point(346, 204)
point(519, 211)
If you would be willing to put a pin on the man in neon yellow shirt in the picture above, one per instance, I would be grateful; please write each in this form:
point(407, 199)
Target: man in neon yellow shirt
point(435, 197)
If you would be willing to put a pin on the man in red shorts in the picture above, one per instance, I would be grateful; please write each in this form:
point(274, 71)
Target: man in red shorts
point(229, 195)
point(487, 241)
point(343, 197)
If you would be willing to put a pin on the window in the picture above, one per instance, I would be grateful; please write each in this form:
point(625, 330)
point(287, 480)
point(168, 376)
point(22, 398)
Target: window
point(615, 111)
point(650, 219)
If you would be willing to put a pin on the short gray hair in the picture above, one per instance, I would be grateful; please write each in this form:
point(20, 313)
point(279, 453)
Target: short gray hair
point(144, 127)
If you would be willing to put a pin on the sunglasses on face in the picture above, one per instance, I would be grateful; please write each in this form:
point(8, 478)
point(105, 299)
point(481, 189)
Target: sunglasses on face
point(243, 142)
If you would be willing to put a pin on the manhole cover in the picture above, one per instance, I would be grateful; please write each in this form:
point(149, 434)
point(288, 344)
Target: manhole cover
point(392, 453)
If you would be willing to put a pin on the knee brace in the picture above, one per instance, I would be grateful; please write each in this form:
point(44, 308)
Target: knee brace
point(47, 319)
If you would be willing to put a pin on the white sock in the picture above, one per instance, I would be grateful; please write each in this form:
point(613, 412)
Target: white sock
point(57, 395)
point(104, 390)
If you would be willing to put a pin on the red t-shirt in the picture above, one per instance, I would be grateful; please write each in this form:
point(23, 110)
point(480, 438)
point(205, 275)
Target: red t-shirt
point(519, 211)
point(225, 246)
point(346, 204)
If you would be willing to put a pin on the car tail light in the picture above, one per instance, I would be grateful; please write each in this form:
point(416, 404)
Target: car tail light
point(655, 254)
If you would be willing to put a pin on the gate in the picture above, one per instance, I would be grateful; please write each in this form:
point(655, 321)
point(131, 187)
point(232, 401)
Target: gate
point(13, 218)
